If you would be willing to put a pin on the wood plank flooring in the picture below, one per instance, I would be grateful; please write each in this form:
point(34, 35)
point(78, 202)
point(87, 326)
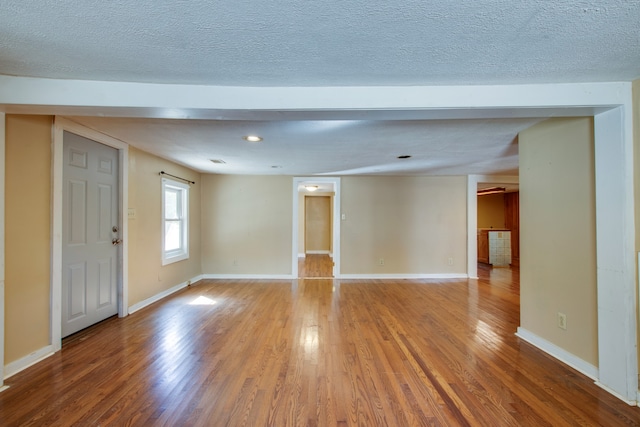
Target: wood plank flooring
point(315, 266)
point(313, 353)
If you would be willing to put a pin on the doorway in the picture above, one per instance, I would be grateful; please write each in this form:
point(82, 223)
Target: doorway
point(498, 212)
point(317, 261)
point(324, 253)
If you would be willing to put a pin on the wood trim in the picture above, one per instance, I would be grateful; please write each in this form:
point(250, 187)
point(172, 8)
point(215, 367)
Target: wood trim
point(512, 223)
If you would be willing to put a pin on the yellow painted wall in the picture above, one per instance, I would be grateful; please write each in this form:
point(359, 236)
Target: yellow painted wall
point(558, 234)
point(414, 223)
point(27, 234)
point(301, 218)
point(147, 276)
point(246, 219)
point(318, 223)
point(491, 211)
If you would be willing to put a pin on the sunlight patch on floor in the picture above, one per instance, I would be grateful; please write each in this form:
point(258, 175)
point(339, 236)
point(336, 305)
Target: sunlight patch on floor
point(202, 300)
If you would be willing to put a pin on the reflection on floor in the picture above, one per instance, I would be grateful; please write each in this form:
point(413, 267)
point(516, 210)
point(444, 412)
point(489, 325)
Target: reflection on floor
point(315, 266)
point(501, 277)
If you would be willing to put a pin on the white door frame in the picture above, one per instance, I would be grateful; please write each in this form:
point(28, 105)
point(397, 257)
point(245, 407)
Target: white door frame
point(2, 168)
point(335, 239)
point(60, 125)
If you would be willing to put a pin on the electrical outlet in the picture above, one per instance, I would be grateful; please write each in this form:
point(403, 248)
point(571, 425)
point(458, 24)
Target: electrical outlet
point(381, 261)
point(450, 261)
point(562, 321)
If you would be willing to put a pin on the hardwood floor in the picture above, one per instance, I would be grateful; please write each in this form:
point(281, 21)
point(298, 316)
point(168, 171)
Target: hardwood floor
point(313, 353)
point(315, 266)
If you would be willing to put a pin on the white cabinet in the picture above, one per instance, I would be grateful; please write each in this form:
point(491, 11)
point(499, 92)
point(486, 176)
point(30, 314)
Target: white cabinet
point(500, 248)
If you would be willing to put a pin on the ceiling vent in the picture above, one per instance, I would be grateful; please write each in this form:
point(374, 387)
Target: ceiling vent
point(218, 161)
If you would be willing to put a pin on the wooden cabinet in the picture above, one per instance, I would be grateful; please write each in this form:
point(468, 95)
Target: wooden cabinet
point(512, 222)
point(483, 246)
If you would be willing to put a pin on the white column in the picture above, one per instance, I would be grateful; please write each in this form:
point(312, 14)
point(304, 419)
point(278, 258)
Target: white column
point(472, 226)
point(616, 269)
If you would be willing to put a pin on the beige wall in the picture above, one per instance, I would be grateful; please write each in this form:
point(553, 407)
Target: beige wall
point(491, 211)
point(27, 234)
point(558, 240)
point(246, 224)
point(147, 276)
point(414, 223)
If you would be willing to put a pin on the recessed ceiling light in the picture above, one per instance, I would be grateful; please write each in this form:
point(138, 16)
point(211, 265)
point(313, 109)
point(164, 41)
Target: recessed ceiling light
point(405, 156)
point(276, 167)
point(252, 138)
point(311, 187)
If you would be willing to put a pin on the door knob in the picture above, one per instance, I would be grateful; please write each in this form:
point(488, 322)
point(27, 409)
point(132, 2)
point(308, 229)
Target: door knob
point(115, 242)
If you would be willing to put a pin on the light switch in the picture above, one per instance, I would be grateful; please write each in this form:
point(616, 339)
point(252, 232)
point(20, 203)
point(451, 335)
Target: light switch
point(344, 216)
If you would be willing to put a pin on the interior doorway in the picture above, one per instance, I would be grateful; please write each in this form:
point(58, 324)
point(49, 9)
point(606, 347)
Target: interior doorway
point(317, 224)
point(316, 260)
point(498, 221)
point(316, 227)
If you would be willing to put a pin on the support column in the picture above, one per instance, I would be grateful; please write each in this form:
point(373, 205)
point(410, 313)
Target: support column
point(616, 268)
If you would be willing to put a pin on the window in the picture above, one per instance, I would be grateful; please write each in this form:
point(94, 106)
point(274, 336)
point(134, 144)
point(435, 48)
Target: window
point(175, 221)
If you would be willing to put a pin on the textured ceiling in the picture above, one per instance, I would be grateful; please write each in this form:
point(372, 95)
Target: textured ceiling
point(316, 44)
point(322, 43)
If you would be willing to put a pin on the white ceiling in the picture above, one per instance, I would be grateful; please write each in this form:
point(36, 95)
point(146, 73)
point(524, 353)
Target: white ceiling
point(330, 43)
point(335, 147)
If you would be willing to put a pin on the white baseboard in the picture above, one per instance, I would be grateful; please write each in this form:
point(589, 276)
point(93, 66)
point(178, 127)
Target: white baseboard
point(3, 388)
point(616, 394)
point(319, 252)
point(403, 276)
point(250, 276)
point(302, 255)
point(142, 304)
point(31, 359)
point(559, 353)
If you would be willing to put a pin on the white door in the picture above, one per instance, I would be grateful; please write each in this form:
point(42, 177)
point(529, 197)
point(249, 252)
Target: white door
point(89, 233)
